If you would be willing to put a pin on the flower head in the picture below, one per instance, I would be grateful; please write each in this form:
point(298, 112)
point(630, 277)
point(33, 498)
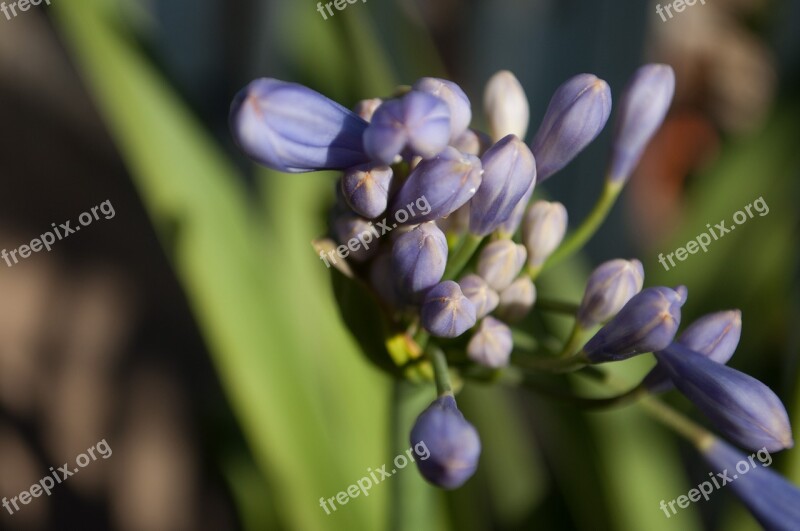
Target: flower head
point(610, 286)
point(500, 262)
point(506, 106)
point(491, 344)
point(543, 228)
point(457, 102)
point(419, 257)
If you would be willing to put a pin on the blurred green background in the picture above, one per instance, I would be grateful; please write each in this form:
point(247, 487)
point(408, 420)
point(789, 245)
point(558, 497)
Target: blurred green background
point(224, 379)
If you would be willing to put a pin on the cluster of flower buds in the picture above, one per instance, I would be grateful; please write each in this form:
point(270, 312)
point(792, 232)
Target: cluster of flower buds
point(467, 242)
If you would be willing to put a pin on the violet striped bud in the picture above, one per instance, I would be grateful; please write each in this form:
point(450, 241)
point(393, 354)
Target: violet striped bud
point(418, 122)
point(506, 106)
point(511, 224)
point(446, 312)
point(575, 116)
point(457, 102)
point(642, 109)
point(770, 498)
point(447, 181)
point(491, 344)
point(508, 172)
point(500, 262)
point(742, 408)
point(357, 237)
point(647, 323)
point(715, 336)
point(291, 128)
point(610, 286)
point(543, 229)
point(366, 189)
point(419, 257)
point(480, 294)
point(453, 444)
point(517, 300)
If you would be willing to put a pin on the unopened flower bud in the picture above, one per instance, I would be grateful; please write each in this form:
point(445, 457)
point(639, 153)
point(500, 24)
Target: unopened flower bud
point(417, 121)
point(508, 171)
point(446, 312)
point(472, 142)
point(291, 128)
point(575, 116)
point(453, 444)
point(715, 336)
point(500, 262)
point(366, 189)
point(447, 181)
point(517, 300)
point(642, 109)
point(610, 286)
point(543, 229)
point(741, 407)
point(480, 294)
point(647, 323)
point(358, 235)
point(491, 344)
point(457, 102)
point(506, 106)
point(772, 500)
point(418, 259)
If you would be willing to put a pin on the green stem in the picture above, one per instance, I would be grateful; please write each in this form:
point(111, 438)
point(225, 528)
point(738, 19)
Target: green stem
point(586, 230)
point(554, 365)
point(684, 426)
point(623, 399)
point(440, 371)
point(574, 342)
point(461, 256)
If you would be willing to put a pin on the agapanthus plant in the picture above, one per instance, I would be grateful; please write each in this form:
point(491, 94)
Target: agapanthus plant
point(436, 246)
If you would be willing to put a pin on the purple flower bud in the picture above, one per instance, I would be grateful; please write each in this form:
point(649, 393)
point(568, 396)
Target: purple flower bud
point(417, 121)
point(508, 171)
point(647, 323)
point(500, 263)
point(642, 109)
point(418, 259)
point(447, 182)
point(543, 229)
point(506, 106)
point(610, 286)
point(517, 300)
point(366, 189)
point(366, 108)
point(742, 408)
point(291, 128)
point(511, 224)
point(480, 294)
point(453, 444)
point(772, 500)
point(575, 116)
point(446, 312)
point(357, 234)
point(491, 344)
point(457, 102)
point(715, 336)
